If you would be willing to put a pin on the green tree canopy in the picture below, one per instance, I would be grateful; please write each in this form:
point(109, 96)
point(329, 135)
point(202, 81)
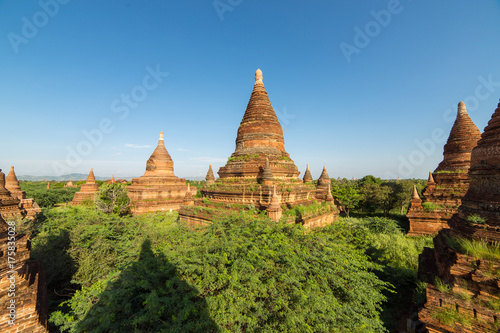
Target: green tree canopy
point(347, 194)
point(254, 275)
point(112, 198)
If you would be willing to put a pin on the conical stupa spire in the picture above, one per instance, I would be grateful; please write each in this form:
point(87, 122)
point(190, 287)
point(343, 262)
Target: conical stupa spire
point(113, 179)
point(489, 138)
point(307, 175)
point(415, 193)
point(259, 136)
point(91, 177)
point(324, 179)
point(260, 130)
point(324, 174)
point(483, 195)
point(431, 178)
point(463, 137)
point(210, 179)
point(329, 196)
point(188, 197)
point(267, 175)
point(274, 210)
point(11, 182)
point(160, 163)
point(4, 192)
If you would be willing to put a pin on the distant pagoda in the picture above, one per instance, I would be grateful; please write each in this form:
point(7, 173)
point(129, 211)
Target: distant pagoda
point(449, 182)
point(158, 189)
point(260, 173)
point(87, 190)
point(471, 279)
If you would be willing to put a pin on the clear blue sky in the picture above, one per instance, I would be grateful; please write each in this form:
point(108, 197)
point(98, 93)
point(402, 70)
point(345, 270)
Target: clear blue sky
point(355, 84)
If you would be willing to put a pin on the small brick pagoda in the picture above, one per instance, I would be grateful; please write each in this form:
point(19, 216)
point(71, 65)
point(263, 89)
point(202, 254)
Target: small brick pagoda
point(260, 175)
point(87, 190)
point(25, 282)
point(15, 205)
point(463, 284)
point(28, 206)
point(158, 189)
point(449, 182)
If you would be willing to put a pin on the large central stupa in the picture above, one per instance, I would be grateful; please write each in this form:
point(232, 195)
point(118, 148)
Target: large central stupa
point(260, 136)
point(259, 172)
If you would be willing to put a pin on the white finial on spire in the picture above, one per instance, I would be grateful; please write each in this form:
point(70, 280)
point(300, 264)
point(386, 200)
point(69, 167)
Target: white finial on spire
point(461, 108)
point(258, 76)
point(161, 135)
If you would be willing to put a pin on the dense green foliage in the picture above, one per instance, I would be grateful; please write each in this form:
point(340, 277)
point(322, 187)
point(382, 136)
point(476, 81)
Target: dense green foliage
point(371, 195)
point(238, 274)
point(46, 198)
point(112, 198)
point(151, 273)
point(383, 240)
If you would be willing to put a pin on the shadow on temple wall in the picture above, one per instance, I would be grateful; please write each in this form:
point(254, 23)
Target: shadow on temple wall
point(148, 296)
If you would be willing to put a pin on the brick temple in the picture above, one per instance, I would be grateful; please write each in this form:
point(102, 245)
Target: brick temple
point(471, 292)
point(13, 201)
point(260, 174)
point(29, 290)
point(158, 189)
point(449, 182)
point(87, 190)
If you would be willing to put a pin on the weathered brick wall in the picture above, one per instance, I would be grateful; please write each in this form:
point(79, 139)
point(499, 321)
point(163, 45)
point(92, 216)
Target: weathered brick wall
point(23, 290)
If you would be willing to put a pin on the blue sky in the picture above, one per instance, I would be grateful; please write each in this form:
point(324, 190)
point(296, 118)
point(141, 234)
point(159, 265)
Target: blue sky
point(365, 87)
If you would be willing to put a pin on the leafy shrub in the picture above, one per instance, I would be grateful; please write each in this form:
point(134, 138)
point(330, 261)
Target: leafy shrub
point(451, 317)
point(476, 219)
point(112, 198)
point(442, 286)
point(476, 248)
point(430, 206)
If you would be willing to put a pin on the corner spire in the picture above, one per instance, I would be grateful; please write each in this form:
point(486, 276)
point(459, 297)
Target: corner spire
point(324, 179)
point(267, 174)
point(4, 192)
point(274, 210)
point(329, 196)
point(307, 175)
point(210, 179)
point(11, 182)
point(415, 193)
point(431, 179)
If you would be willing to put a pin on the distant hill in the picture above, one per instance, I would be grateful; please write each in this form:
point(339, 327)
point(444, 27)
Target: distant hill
point(82, 176)
point(73, 176)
